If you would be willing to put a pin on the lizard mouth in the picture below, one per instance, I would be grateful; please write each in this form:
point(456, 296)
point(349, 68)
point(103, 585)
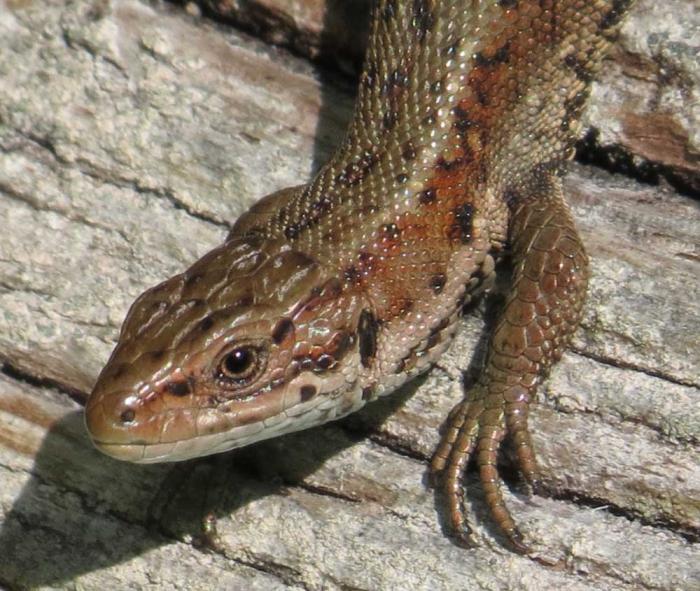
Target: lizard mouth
point(325, 407)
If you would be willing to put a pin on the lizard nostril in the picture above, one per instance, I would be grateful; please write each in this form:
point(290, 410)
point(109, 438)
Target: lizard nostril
point(128, 416)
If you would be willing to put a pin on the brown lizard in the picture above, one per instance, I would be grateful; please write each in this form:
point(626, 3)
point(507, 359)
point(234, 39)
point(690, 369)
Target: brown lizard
point(328, 295)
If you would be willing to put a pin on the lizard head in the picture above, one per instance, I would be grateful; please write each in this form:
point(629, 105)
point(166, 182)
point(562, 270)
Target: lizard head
point(254, 340)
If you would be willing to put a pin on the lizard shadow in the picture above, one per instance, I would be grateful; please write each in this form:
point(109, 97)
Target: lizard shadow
point(68, 518)
point(269, 468)
point(81, 511)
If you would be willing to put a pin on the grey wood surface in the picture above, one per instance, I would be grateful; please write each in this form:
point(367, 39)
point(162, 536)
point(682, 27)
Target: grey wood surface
point(131, 135)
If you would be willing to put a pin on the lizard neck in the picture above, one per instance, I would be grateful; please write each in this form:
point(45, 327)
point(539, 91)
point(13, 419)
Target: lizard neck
point(459, 100)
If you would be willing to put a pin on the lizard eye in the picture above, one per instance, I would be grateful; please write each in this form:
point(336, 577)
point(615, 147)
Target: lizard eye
point(241, 365)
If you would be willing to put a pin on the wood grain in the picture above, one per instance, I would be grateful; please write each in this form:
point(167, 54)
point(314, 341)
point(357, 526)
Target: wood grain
point(131, 136)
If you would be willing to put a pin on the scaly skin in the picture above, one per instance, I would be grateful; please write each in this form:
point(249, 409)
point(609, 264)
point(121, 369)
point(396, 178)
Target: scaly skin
point(328, 295)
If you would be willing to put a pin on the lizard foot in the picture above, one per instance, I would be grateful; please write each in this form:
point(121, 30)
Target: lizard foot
point(476, 427)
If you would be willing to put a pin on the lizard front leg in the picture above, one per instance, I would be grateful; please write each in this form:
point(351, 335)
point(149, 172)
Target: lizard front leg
point(542, 310)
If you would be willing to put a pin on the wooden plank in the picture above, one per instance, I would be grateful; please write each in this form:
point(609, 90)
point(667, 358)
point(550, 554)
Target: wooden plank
point(124, 153)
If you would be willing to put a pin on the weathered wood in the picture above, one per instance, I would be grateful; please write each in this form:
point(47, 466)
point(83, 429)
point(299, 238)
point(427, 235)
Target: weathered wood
point(130, 135)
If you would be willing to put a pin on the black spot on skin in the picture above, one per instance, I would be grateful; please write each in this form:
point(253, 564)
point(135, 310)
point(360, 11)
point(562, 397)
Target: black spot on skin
point(436, 87)
point(573, 108)
point(401, 365)
point(389, 120)
point(462, 227)
point(423, 18)
point(448, 165)
point(325, 362)
point(390, 231)
point(367, 393)
point(305, 363)
point(206, 324)
point(366, 258)
point(502, 54)
point(179, 388)
point(157, 355)
point(427, 196)
point(401, 178)
point(437, 282)
point(406, 307)
point(307, 392)
point(461, 118)
point(351, 274)
point(282, 330)
point(579, 69)
point(127, 416)
point(292, 231)
point(500, 57)
point(464, 215)
point(429, 119)
point(507, 3)
point(367, 332)
point(577, 102)
point(355, 172)
point(511, 197)
point(408, 151)
point(322, 204)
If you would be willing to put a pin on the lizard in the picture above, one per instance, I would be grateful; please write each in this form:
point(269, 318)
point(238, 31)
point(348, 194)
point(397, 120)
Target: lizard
point(328, 295)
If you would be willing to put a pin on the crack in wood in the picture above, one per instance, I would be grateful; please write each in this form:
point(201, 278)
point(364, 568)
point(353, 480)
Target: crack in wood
point(91, 170)
point(23, 376)
point(687, 532)
point(620, 364)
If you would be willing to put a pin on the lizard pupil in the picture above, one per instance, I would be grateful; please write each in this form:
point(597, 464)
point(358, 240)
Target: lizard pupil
point(239, 361)
point(240, 366)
